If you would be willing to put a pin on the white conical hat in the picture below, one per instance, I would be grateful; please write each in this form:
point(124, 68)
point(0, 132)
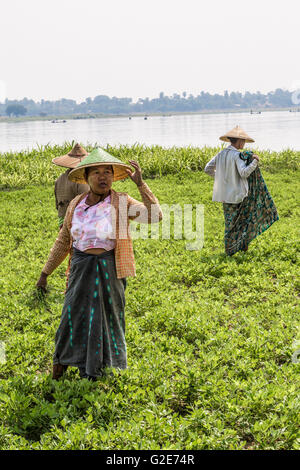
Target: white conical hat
point(238, 133)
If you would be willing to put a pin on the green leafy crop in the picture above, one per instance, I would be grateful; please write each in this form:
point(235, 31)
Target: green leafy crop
point(210, 338)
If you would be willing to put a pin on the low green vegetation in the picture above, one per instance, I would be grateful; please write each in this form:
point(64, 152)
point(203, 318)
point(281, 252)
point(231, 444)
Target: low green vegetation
point(210, 339)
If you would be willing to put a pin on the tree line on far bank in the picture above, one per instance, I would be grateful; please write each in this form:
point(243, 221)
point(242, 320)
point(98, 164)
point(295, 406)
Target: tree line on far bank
point(162, 104)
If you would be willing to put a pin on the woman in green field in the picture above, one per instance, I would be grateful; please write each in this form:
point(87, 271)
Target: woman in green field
point(65, 190)
point(248, 207)
point(91, 335)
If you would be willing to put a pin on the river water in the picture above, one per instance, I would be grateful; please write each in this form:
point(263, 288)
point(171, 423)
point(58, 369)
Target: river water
point(274, 130)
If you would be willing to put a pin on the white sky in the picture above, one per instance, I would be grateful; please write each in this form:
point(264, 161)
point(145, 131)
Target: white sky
point(136, 48)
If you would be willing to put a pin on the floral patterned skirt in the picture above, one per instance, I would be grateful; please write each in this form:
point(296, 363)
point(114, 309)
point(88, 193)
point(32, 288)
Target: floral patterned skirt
point(248, 219)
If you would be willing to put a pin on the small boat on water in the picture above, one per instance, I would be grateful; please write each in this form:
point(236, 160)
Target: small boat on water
point(56, 121)
point(255, 112)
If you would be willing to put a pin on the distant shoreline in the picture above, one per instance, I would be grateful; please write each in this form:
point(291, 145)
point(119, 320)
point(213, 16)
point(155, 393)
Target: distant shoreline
point(5, 119)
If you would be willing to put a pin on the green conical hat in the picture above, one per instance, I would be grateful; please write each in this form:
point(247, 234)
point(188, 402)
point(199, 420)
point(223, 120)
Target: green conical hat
point(99, 157)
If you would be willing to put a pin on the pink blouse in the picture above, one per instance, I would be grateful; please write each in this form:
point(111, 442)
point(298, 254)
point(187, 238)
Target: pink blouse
point(92, 226)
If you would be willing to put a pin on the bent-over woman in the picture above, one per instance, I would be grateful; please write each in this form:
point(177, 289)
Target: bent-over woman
point(248, 207)
point(91, 334)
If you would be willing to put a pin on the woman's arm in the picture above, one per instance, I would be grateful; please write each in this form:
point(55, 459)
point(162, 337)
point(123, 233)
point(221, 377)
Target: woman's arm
point(210, 167)
point(149, 211)
point(58, 253)
point(244, 170)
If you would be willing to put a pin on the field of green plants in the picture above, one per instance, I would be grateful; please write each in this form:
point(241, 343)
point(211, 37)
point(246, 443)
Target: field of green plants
point(211, 339)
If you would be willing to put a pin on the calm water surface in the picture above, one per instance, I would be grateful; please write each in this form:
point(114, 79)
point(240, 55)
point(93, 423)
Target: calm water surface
point(271, 130)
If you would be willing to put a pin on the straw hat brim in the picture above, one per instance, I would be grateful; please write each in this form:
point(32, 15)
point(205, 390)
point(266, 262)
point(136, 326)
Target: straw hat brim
point(225, 138)
point(237, 133)
point(77, 174)
point(67, 161)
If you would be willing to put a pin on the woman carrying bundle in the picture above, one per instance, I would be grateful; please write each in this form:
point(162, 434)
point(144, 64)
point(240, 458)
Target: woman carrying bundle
point(91, 335)
point(248, 207)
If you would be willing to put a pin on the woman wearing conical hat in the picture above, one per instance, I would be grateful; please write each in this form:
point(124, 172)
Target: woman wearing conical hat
point(91, 335)
point(248, 207)
point(64, 189)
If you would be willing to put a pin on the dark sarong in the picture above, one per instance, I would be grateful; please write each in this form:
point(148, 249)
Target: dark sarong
point(91, 334)
point(248, 219)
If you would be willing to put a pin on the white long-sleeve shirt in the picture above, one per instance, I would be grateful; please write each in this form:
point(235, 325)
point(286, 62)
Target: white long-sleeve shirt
point(230, 173)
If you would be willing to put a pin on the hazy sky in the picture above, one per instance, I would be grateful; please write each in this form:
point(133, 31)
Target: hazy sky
point(137, 48)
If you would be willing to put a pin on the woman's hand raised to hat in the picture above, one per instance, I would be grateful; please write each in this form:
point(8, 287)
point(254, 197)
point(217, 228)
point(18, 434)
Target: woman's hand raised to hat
point(136, 175)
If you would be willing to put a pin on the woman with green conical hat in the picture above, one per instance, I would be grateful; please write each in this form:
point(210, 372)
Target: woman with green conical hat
point(238, 183)
point(91, 335)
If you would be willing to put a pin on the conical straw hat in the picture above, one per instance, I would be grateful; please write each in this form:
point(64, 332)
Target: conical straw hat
point(99, 157)
point(71, 159)
point(238, 133)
